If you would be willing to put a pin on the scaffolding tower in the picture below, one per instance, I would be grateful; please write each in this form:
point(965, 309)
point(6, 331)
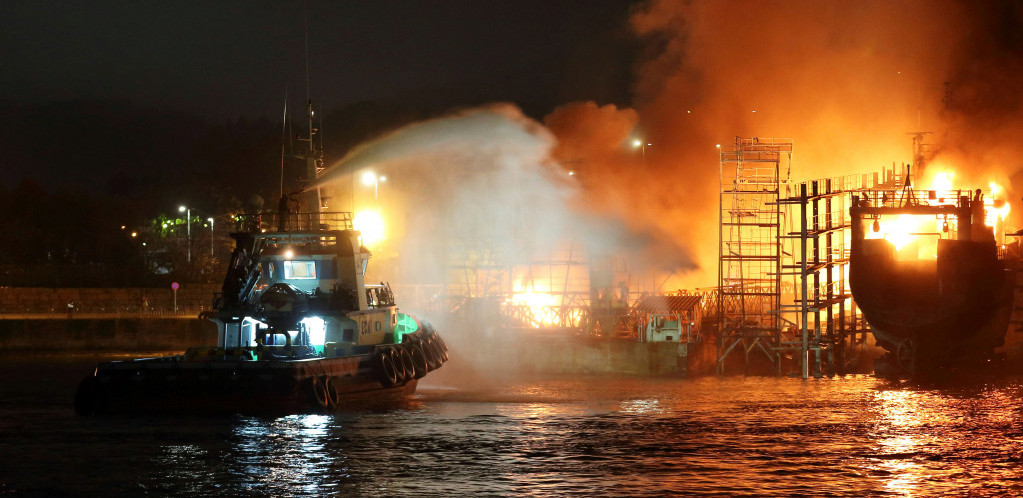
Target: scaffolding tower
point(827, 321)
point(752, 173)
point(783, 259)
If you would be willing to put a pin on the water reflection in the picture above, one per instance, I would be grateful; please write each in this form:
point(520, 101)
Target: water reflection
point(931, 439)
point(642, 406)
point(853, 436)
point(288, 453)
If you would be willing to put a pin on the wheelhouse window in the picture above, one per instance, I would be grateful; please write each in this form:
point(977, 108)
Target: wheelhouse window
point(299, 270)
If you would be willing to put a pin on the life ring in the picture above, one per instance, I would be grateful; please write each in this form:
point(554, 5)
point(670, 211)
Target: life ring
point(388, 370)
point(419, 359)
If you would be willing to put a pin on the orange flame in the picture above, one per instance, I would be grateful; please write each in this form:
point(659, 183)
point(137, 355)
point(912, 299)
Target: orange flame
point(916, 237)
point(544, 309)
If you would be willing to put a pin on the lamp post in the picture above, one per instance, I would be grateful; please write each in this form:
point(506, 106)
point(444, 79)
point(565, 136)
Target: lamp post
point(188, 222)
point(210, 219)
point(642, 145)
point(371, 178)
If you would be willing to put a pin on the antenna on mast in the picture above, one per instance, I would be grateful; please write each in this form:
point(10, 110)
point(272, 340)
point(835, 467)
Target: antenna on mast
point(284, 136)
point(305, 6)
point(313, 155)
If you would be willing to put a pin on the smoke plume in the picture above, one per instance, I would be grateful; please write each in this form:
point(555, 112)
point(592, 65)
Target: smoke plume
point(847, 81)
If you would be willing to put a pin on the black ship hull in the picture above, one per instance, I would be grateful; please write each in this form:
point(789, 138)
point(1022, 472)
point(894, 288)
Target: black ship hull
point(932, 315)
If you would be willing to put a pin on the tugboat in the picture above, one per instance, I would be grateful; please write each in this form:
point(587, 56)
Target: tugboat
point(298, 329)
point(932, 313)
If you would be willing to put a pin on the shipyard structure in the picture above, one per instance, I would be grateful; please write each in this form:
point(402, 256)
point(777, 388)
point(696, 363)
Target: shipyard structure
point(855, 274)
point(815, 278)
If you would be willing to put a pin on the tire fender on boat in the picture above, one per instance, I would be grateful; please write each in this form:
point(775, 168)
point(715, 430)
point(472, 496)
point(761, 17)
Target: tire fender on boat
point(432, 360)
point(419, 358)
point(388, 370)
point(399, 366)
point(320, 386)
point(438, 350)
point(333, 394)
point(407, 362)
point(443, 345)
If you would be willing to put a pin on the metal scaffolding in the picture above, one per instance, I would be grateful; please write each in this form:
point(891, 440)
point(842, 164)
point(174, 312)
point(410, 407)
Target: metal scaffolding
point(549, 291)
point(751, 174)
point(783, 256)
point(826, 321)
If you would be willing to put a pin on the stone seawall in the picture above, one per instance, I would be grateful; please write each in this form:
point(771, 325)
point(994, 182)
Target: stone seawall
point(43, 299)
point(113, 334)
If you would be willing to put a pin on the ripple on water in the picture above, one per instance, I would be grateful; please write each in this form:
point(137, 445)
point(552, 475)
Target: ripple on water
point(849, 436)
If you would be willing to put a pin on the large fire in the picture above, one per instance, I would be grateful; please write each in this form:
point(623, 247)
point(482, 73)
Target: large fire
point(996, 207)
point(916, 237)
point(541, 307)
point(371, 223)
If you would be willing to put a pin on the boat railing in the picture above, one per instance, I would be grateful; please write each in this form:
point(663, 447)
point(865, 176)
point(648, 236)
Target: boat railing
point(378, 295)
point(101, 312)
point(276, 222)
point(901, 198)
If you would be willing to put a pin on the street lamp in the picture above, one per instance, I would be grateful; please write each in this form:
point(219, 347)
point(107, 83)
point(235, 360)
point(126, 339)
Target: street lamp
point(639, 144)
point(188, 222)
point(371, 178)
point(210, 219)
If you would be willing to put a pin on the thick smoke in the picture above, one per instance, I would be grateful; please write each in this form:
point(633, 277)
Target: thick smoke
point(847, 81)
point(982, 116)
point(479, 179)
point(484, 182)
point(479, 188)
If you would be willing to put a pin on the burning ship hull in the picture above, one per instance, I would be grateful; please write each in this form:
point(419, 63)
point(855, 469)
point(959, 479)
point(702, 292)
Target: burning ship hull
point(933, 313)
point(298, 331)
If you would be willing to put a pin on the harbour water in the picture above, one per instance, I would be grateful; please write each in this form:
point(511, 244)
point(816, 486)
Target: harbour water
point(553, 436)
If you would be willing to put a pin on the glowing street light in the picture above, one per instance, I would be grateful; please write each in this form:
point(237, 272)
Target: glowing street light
point(640, 144)
point(371, 178)
point(188, 215)
point(210, 219)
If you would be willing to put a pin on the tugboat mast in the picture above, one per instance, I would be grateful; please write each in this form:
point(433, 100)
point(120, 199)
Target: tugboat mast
point(310, 200)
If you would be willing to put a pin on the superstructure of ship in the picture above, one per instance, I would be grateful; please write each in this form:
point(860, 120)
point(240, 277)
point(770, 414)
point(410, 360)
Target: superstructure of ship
point(943, 301)
point(298, 328)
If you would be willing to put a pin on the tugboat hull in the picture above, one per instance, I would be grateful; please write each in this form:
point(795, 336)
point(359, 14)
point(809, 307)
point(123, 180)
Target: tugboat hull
point(217, 381)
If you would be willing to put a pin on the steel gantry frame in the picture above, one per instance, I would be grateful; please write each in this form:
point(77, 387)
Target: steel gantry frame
point(751, 175)
point(551, 290)
point(759, 248)
point(826, 320)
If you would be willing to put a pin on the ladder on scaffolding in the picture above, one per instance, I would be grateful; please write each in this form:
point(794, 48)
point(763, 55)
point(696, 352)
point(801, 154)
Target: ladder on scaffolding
point(752, 173)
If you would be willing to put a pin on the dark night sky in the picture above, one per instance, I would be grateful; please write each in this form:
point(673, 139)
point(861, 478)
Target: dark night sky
point(227, 59)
